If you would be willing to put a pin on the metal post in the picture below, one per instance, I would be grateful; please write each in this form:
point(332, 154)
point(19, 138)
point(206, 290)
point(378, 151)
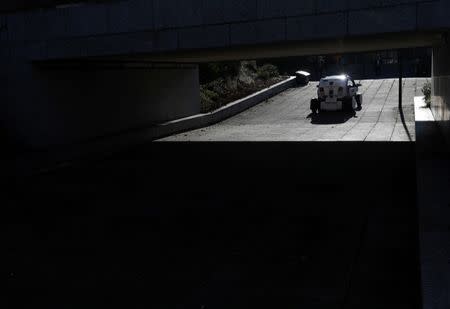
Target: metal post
point(400, 77)
point(400, 88)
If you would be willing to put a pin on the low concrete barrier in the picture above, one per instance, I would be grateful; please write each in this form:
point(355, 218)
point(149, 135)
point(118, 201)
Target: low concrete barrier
point(229, 110)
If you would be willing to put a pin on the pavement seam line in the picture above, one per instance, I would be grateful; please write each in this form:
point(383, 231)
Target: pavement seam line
point(396, 118)
point(384, 103)
point(371, 100)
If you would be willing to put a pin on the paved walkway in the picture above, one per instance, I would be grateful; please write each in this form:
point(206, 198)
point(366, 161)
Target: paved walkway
point(287, 117)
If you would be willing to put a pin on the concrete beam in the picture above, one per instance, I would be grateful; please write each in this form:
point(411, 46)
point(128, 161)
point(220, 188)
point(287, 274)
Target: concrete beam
point(317, 27)
point(272, 30)
point(301, 48)
point(152, 26)
point(284, 8)
point(433, 15)
point(382, 20)
point(204, 37)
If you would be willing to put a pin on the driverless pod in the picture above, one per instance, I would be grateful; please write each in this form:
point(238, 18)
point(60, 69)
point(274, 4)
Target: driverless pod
point(336, 92)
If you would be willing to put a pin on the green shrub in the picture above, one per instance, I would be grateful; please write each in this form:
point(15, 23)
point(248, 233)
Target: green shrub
point(232, 81)
point(211, 71)
point(249, 65)
point(267, 71)
point(426, 90)
point(218, 86)
point(211, 95)
point(208, 99)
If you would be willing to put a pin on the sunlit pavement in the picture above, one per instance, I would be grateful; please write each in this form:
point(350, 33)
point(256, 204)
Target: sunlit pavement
point(287, 117)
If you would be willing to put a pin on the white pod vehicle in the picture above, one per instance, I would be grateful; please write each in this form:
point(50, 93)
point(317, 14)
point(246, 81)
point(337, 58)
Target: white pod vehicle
point(337, 92)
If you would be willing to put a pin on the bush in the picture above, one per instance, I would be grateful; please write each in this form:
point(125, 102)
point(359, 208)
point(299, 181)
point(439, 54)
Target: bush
point(426, 90)
point(250, 65)
point(211, 71)
point(267, 71)
point(208, 99)
point(218, 86)
point(232, 81)
point(209, 94)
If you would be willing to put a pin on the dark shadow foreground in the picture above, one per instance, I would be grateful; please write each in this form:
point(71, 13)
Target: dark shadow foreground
point(331, 117)
point(220, 225)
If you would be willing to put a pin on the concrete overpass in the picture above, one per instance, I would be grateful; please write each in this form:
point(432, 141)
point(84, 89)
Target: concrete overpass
point(157, 27)
point(127, 58)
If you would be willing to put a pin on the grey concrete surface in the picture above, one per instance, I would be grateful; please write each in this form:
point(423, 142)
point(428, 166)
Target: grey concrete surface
point(433, 199)
point(219, 225)
point(440, 101)
point(287, 117)
point(211, 24)
point(76, 104)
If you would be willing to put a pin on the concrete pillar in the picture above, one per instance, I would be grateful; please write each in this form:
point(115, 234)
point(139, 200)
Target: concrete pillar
point(432, 187)
point(68, 104)
point(440, 103)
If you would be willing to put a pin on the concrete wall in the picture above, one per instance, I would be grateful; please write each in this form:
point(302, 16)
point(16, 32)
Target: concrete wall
point(153, 26)
point(15, 5)
point(49, 106)
point(441, 88)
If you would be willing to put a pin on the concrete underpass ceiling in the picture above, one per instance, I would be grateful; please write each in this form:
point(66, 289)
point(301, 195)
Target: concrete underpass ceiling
point(302, 48)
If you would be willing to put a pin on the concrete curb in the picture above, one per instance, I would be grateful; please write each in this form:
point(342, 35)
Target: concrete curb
point(227, 111)
point(425, 125)
point(421, 112)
